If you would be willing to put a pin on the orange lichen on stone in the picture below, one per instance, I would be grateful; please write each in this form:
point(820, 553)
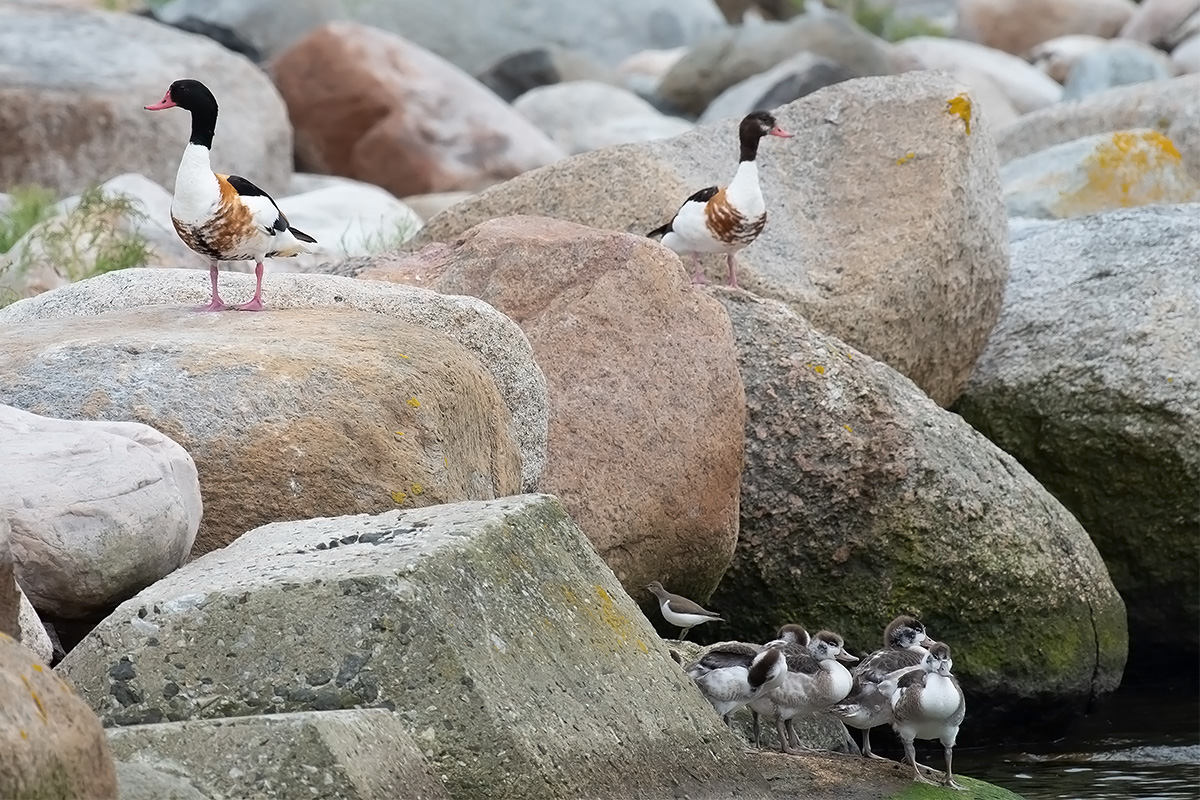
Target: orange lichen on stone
point(960, 106)
point(1130, 168)
point(907, 157)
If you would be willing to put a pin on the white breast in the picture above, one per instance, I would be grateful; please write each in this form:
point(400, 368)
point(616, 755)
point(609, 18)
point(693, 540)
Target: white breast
point(940, 698)
point(744, 192)
point(197, 193)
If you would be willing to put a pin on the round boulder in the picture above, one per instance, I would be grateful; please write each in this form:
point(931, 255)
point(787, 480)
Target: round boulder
point(71, 113)
point(1090, 381)
point(862, 500)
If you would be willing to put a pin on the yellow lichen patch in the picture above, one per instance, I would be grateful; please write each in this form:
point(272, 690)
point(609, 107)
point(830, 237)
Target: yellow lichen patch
point(613, 618)
point(417, 488)
point(397, 433)
point(960, 106)
point(37, 667)
point(820, 370)
point(399, 497)
point(904, 159)
point(847, 427)
point(414, 402)
point(24, 735)
point(37, 700)
point(1128, 169)
point(402, 355)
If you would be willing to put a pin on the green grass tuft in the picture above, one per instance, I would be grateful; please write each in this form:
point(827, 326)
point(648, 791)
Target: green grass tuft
point(91, 239)
point(30, 205)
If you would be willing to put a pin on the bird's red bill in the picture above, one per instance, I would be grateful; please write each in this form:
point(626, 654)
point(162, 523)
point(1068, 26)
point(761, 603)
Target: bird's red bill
point(780, 132)
point(164, 103)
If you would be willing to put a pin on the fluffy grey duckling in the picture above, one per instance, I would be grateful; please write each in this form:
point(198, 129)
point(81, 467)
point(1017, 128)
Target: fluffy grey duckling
point(905, 642)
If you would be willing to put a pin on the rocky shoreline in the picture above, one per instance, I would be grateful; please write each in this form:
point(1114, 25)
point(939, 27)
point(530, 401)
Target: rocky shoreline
point(390, 536)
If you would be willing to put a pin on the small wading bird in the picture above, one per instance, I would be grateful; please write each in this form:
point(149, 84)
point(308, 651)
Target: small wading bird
point(724, 220)
point(223, 217)
point(679, 611)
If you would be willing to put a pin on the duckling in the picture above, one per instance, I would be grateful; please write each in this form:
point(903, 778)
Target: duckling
point(815, 681)
point(791, 638)
point(680, 611)
point(731, 674)
point(928, 703)
point(904, 646)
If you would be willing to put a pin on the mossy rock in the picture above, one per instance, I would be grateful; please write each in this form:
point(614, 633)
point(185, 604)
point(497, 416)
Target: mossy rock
point(1090, 381)
point(861, 500)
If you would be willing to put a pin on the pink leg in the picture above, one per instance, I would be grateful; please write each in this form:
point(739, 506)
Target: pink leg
point(216, 304)
point(697, 275)
point(732, 278)
point(255, 303)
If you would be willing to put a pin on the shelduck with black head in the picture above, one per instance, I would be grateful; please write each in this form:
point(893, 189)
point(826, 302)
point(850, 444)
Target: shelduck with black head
point(223, 217)
point(724, 219)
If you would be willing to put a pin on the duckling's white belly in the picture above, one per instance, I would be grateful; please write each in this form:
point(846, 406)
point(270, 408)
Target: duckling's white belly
point(940, 698)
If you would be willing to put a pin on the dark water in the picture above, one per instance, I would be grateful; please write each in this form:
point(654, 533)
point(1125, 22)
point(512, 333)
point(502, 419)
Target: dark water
point(1142, 744)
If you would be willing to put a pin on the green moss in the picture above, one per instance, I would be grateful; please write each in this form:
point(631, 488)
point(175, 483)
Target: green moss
point(975, 790)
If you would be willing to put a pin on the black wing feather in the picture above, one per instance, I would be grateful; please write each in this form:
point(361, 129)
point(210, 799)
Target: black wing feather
point(247, 189)
point(704, 195)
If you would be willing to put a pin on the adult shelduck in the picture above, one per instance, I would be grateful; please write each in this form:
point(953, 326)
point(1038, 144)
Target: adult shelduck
point(224, 217)
point(724, 220)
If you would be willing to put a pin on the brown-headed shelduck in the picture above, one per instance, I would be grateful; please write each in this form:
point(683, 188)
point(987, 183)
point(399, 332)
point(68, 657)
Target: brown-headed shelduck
point(223, 217)
point(724, 219)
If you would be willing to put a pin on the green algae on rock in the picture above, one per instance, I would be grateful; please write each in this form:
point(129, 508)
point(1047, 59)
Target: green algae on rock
point(861, 500)
point(513, 656)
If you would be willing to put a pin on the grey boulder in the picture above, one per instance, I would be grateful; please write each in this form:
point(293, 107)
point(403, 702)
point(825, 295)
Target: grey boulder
point(1090, 381)
point(363, 754)
point(71, 113)
point(98, 509)
point(507, 648)
point(862, 499)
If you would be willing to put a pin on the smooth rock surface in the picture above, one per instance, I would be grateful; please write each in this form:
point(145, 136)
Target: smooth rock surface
point(855, 483)
point(915, 283)
point(350, 755)
point(1057, 56)
point(646, 407)
point(789, 80)
point(517, 73)
point(1186, 57)
point(371, 105)
point(733, 55)
point(1027, 87)
point(1170, 107)
point(98, 510)
point(1119, 64)
point(1098, 173)
point(497, 343)
point(1156, 20)
point(470, 34)
point(466, 618)
point(347, 219)
point(1015, 26)
point(587, 115)
point(71, 114)
point(51, 744)
point(1089, 380)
